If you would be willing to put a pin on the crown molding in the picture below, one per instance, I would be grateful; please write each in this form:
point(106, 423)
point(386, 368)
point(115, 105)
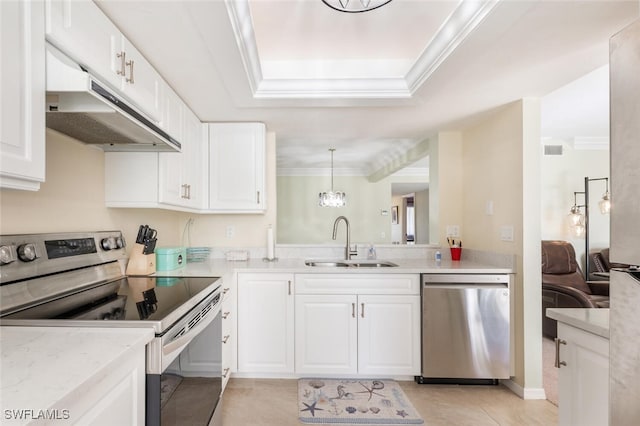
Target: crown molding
point(317, 171)
point(464, 19)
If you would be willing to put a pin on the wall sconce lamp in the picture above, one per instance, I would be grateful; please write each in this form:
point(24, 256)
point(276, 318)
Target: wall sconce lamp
point(579, 222)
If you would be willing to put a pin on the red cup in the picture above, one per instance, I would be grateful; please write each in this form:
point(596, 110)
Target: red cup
point(455, 253)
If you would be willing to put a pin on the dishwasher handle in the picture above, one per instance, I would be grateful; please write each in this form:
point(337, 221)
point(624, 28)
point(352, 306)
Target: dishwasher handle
point(429, 279)
point(465, 286)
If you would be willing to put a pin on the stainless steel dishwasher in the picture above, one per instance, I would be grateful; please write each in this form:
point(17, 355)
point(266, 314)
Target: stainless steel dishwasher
point(465, 328)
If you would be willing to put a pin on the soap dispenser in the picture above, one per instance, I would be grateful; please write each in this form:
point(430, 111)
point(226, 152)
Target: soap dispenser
point(371, 253)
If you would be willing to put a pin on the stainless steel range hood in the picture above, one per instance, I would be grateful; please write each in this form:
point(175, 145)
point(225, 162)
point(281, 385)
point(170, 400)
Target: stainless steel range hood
point(82, 107)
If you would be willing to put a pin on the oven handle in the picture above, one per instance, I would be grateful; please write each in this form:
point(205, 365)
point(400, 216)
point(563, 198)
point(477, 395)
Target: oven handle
point(188, 336)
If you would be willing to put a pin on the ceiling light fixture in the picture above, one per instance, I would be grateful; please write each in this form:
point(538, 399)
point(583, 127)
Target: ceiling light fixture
point(355, 6)
point(331, 198)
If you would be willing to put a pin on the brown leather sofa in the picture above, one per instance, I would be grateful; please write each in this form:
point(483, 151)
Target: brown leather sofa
point(564, 286)
point(600, 263)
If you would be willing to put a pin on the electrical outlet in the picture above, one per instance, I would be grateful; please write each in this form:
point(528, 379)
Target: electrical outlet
point(230, 231)
point(453, 231)
point(506, 233)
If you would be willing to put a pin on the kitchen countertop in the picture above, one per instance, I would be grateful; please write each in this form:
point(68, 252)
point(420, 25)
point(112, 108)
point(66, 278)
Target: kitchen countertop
point(42, 366)
point(593, 320)
point(221, 267)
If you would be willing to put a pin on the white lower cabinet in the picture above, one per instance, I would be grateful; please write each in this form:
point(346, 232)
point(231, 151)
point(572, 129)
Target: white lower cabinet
point(265, 323)
point(583, 381)
point(389, 335)
point(326, 334)
point(119, 398)
point(360, 332)
point(229, 311)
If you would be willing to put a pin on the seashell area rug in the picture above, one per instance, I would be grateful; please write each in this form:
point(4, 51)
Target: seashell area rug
point(354, 401)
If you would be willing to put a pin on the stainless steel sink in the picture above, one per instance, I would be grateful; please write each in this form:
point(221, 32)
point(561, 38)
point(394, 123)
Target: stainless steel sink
point(330, 263)
point(350, 263)
point(373, 264)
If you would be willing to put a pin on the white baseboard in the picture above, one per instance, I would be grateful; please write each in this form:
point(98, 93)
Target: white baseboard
point(524, 393)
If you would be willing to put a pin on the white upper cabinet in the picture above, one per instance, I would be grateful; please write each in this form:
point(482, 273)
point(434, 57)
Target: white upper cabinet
point(140, 81)
point(182, 176)
point(82, 31)
point(237, 167)
point(22, 85)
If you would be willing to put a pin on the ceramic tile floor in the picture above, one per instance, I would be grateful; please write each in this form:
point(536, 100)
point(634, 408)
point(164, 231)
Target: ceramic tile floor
point(269, 402)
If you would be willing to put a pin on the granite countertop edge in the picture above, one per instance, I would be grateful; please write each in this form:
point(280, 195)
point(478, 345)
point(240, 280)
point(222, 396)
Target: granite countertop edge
point(221, 267)
point(592, 320)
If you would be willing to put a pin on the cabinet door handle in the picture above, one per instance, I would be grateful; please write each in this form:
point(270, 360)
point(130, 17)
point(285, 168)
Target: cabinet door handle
point(130, 65)
point(184, 191)
point(289, 287)
point(258, 197)
point(362, 313)
point(225, 315)
point(559, 363)
point(226, 371)
point(226, 338)
point(353, 310)
point(225, 291)
point(123, 59)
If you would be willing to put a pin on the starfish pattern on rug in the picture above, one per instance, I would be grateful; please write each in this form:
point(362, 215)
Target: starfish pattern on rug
point(402, 413)
point(312, 408)
point(376, 385)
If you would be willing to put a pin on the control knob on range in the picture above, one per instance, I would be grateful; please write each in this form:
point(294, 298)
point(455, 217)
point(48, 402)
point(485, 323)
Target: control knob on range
point(6, 254)
point(27, 252)
point(109, 243)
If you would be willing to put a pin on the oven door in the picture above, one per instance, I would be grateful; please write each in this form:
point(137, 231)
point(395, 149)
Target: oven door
point(188, 390)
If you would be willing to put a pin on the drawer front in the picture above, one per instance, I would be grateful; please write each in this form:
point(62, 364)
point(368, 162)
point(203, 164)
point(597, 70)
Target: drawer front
point(357, 284)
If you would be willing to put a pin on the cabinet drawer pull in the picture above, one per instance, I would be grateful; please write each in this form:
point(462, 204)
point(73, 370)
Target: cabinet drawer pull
point(226, 371)
point(289, 287)
point(353, 310)
point(258, 198)
point(225, 315)
point(226, 338)
point(362, 313)
point(188, 192)
point(559, 363)
point(122, 56)
point(130, 64)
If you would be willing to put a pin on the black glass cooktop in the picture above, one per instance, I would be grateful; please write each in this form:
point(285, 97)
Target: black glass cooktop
point(126, 299)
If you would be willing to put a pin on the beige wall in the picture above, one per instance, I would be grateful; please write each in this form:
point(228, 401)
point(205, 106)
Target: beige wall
point(446, 186)
point(499, 164)
point(72, 199)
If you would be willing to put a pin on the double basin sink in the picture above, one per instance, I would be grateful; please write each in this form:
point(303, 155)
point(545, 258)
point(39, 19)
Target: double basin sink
point(350, 263)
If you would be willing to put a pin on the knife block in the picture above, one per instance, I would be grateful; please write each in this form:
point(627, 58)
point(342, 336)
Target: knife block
point(139, 263)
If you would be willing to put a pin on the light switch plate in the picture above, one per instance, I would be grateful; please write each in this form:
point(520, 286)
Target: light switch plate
point(453, 231)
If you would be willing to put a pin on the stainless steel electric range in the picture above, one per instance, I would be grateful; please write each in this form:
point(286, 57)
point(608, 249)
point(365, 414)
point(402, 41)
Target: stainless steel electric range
point(78, 280)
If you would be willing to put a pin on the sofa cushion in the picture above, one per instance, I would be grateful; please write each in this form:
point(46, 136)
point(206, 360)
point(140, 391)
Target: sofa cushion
point(575, 280)
point(558, 257)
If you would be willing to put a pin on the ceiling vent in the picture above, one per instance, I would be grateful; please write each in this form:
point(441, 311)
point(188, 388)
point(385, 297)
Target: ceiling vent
point(553, 150)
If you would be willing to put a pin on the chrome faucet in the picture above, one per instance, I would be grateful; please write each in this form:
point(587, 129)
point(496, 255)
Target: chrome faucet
point(347, 250)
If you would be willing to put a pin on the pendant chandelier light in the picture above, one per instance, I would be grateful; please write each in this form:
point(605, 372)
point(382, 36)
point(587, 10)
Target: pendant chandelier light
point(331, 198)
point(355, 6)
